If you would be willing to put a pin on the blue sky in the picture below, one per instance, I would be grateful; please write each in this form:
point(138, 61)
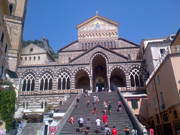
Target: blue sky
point(139, 19)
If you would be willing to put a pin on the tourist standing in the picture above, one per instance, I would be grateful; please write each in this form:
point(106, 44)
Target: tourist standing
point(97, 99)
point(88, 125)
point(78, 101)
point(72, 120)
point(126, 130)
point(87, 103)
point(114, 131)
point(88, 93)
point(98, 124)
point(151, 131)
point(95, 111)
point(104, 119)
point(85, 93)
point(107, 130)
point(109, 108)
point(134, 131)
point(80, 122)
point(119, 106)
point(105, 106)
point(94, 97)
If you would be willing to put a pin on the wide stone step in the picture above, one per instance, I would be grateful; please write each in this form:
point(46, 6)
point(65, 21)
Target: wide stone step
point(118, 119)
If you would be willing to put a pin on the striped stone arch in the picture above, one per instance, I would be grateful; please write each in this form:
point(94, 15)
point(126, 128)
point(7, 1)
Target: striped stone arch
point(46, 70)
point(81, 68)
point(118, 76)
point(82, 78)
point(136, 66)
point(96, 54)
point(27, 72)
point(119, 67)
point(64, 69)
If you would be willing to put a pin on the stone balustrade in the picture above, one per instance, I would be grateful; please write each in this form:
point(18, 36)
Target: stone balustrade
point(50, 92)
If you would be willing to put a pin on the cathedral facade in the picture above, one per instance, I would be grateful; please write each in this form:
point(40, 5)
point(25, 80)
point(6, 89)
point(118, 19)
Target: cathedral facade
point(98, 59)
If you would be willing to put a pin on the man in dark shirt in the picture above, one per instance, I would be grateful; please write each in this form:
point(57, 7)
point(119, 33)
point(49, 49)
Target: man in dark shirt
point(78, 101)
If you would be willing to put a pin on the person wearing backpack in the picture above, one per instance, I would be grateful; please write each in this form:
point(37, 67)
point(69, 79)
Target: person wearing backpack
point(109, 108)
point(107, 130)
point(134, 131)
point(80, 122)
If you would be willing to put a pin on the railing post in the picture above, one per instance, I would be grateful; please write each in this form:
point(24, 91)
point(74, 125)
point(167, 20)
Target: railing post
point(169, 49)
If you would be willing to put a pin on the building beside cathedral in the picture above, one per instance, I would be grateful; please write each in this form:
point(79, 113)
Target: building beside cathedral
point(98, 59)
point(5, 43)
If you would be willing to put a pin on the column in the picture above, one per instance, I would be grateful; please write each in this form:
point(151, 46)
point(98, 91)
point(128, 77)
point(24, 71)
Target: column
point(66, 84)
point(37, 85)
point(61, 83)
point(54, 84)
point(128, 83)
point(90, 77)
point(72, 82)
point(109, 87)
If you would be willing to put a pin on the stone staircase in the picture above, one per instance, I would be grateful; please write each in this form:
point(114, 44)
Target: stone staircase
point(118, 119)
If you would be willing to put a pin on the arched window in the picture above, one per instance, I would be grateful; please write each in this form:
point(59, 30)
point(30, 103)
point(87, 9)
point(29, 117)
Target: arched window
point(111, 44)
point(46, 82)
point(28, 82)
point(136, 78)
point(63, 81)
point(85, 46)
point(82, 46)
point(107, 44)
point(104, 44)
point(10, 9)
point(114, 44)
point(91, 45)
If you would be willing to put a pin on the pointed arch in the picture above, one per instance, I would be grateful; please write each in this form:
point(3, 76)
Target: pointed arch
point(63, 79)
point(28, 82)
point(46, 80)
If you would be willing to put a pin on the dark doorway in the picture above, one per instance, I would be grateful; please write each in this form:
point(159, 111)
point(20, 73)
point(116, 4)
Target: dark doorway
point(99, 73)
point(82, 80)
point(118, 78)
point(99, 87)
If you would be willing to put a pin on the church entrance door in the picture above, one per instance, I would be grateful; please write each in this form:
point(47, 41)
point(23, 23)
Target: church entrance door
point(99, 73)
point(99, 87)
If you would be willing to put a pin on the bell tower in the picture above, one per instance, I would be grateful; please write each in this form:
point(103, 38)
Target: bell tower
point(15, 25)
